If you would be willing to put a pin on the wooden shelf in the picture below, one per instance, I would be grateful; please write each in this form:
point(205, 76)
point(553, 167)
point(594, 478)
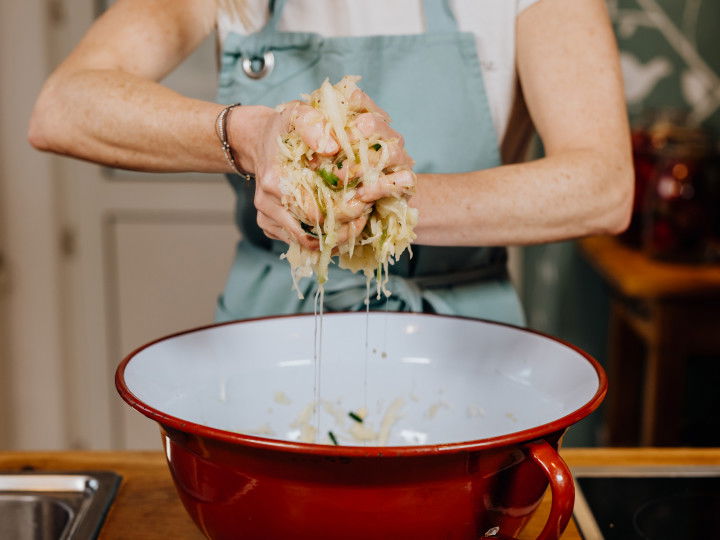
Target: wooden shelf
point(635, 275)
point(661, 315)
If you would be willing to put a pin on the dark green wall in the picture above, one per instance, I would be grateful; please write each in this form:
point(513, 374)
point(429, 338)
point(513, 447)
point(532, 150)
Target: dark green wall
point(671, 60)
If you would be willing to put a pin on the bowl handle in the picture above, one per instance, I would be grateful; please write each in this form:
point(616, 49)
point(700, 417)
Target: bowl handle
point(561, 486)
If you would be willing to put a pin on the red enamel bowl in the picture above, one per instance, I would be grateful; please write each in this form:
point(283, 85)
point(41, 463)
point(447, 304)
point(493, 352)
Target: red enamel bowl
point(461, 422)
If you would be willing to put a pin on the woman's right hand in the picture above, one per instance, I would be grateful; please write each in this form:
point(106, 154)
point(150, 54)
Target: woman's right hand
point(258, 129)
point(259, 155)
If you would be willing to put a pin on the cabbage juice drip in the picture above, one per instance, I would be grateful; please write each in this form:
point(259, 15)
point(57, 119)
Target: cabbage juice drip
point(367, 345)
point(317, 355)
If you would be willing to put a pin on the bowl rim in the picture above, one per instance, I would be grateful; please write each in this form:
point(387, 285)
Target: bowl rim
point(513, 438)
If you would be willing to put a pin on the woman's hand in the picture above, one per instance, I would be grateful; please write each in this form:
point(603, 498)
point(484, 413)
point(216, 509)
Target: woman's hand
point(397, 177)
point(277, 221)
point(261, 158)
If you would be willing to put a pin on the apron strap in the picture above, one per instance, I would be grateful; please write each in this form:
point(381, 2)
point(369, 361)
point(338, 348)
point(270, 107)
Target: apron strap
point(276, 8)
point(439, 17)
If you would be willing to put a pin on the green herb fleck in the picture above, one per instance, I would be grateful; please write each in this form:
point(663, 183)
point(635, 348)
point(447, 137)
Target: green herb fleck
point(355, 417)
point(376, 146)
point(339, 164)
point(333, 438)
point(353, 183)
point(332, 181)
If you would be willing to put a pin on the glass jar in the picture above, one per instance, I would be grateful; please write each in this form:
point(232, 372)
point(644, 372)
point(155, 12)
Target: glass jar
point(644, 163)
point(677, 209)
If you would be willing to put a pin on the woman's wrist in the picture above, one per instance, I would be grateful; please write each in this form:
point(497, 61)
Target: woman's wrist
point(246, 125)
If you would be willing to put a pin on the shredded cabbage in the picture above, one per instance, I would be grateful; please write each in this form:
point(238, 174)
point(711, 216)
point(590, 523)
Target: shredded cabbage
point(309, 176)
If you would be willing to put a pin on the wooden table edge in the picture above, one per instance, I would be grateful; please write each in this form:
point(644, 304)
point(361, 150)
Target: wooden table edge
point(147, 493)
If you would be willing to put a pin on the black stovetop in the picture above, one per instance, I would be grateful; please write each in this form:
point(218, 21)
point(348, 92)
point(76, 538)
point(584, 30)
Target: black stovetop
point(669, 504)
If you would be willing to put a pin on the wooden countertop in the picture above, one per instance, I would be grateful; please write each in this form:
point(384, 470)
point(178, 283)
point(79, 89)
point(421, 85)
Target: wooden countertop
point(147, 507)
point(635, 275)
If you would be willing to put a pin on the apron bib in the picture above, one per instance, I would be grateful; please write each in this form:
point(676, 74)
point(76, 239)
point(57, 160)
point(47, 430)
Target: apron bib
point(432, 87)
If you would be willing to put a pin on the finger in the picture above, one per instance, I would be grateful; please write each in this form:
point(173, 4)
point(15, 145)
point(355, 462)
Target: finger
point(360, 102)
point(268, 194)
point(301, 203)
point(306, 209)
point(313, 130)
point(388, 185)
point(292, 226)
point(349, 172)
point(272, 214)
point(351, 209)
point(374, 126)
point(351, 229)
point(272, 229)
point(397, 156)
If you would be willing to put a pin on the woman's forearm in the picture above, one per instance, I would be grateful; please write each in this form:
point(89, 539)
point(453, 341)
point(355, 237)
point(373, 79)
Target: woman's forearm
point(574, 95)
point(122, 120)
point(102, 103)
point(570, 194)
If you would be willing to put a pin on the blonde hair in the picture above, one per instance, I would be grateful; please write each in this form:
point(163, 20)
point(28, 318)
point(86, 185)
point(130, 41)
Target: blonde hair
point(236, 10)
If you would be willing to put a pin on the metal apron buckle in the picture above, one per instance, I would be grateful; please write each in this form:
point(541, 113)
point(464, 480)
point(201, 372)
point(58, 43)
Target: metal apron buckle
point(268, 63)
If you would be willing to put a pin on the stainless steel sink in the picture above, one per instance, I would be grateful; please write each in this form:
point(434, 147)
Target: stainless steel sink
point(55, 506)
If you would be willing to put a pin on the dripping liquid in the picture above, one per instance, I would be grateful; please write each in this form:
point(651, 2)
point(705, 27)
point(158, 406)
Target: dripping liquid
point(367, 344)
point(318, 310)
point(317, 355)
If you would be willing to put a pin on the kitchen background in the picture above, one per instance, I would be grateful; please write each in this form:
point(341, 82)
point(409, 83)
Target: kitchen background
point(94, 262)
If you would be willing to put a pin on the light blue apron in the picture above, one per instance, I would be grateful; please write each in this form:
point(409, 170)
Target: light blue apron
point(432, 87)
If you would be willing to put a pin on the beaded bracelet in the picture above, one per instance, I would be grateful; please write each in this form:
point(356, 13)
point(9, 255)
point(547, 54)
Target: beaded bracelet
point(221, 130)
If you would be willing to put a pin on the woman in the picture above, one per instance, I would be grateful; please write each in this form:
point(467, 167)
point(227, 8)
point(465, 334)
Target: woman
point(448, 92)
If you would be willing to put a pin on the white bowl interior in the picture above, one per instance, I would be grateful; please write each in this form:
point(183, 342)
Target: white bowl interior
point(416, 379)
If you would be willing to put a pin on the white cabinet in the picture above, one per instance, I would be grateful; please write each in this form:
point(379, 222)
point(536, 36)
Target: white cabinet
point(93, 262)
point(4, 352)
point(167, 273)
point(147, 255)
point(144, 258)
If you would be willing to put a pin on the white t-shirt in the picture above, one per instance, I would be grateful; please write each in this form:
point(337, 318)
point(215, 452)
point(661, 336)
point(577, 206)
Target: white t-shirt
point(491, 21)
